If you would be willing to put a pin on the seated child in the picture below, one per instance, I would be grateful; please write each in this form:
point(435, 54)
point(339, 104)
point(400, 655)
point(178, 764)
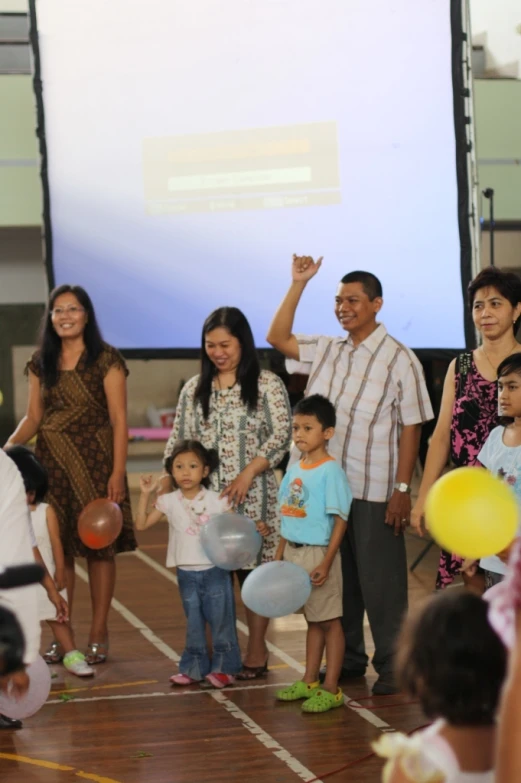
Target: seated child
point(314, 504)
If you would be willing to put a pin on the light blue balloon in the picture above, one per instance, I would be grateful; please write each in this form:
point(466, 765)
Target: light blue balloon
point(230, 541)
point(276, 589)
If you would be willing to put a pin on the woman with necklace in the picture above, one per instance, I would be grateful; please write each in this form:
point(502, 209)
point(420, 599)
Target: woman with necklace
point(469, 406)
point(243, 413)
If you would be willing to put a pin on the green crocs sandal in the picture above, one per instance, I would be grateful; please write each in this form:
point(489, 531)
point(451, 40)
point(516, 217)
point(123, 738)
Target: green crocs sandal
point(323, 701)
point(299, 690)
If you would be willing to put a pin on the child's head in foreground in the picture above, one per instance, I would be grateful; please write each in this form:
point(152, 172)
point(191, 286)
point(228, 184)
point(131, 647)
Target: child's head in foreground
point(449, 658)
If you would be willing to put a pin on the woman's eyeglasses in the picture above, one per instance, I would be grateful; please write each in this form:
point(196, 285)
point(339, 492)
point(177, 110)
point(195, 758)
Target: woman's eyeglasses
point(72, 310)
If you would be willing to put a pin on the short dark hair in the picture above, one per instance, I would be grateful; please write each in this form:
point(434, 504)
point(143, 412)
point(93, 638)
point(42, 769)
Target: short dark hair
point(235, 322)
point(33, 473)
point(449, 657)
point(369, 282)
point(319, 406)
point(208, 457)
point(511, 364)
point(507, 283)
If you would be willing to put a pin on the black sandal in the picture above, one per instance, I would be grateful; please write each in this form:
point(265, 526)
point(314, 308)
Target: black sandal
point(252, 672)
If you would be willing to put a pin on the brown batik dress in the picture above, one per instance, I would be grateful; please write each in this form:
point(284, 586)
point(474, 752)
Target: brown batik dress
point(75, 444)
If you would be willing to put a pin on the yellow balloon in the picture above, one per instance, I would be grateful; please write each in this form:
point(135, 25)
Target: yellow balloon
point(472, 513)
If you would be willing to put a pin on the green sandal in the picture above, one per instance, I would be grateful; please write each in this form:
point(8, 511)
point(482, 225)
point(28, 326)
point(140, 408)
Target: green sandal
point(299, 690)
point(323, 701)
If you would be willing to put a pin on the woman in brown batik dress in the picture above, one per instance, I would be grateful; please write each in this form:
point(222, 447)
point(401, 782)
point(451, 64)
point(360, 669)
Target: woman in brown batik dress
point(77, 408)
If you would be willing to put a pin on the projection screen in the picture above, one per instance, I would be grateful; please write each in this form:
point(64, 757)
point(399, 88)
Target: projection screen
point(190, 148)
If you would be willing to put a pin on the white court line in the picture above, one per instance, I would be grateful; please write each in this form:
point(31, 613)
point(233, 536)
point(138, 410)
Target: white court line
point(268, 741)
point(137, 623)
point(176, 694)
point(263, 737)
point(354, 706)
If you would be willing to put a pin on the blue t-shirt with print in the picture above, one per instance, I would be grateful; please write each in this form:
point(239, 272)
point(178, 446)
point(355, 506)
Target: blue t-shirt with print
point(310, 496)
point(504, 462)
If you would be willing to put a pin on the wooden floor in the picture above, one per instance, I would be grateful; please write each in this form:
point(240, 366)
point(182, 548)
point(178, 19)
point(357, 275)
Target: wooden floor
point(128, 725)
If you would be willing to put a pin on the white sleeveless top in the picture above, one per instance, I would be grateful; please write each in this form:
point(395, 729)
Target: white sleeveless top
point(425, 757)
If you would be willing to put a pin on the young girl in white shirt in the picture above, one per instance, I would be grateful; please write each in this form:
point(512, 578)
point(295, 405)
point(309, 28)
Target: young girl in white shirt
point(451, 660)
point(206, 591)
point(48, 544)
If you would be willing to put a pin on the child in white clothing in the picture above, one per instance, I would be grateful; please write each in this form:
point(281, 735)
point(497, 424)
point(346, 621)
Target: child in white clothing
point(206, 591)
point(501, 452)
point(454, 663)
point(49, 551)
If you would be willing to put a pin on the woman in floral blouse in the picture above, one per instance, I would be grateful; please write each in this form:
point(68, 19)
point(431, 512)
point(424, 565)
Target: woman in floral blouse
point(243, 412)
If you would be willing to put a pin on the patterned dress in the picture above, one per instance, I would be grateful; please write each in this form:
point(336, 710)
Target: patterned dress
point(474, 416)
point(240, 435)
point(75, 445)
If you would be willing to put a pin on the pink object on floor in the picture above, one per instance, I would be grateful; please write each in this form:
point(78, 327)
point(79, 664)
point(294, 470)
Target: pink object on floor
point(219, 680)
point(149, 433)
point(182, 679)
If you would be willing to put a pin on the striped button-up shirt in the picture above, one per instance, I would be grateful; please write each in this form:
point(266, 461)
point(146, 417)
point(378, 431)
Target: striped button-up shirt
point(377, 388)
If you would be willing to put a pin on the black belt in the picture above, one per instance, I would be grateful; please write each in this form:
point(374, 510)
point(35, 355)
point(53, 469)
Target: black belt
point(295, 545)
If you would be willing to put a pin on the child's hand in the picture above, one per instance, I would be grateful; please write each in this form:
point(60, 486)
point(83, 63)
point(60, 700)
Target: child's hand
point(62, 609)
point(263, 529)
point(320, 574)
point(469, 567)
point(59, 578)
point(16, 684)
point(147, 484)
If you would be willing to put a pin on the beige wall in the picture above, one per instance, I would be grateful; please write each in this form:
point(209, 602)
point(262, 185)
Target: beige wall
point(507, 249)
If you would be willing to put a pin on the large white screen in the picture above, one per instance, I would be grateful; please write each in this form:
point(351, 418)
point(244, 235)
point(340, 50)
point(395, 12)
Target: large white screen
point(194, 146)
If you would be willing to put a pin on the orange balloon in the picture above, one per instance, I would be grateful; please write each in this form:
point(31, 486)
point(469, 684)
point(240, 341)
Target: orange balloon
point(100, 523)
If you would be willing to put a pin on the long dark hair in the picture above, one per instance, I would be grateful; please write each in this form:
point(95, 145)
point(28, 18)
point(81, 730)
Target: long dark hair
point(49, 344)
point(248, 371)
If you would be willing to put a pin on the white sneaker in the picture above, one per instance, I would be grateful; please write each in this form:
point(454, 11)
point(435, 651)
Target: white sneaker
point(75, 663)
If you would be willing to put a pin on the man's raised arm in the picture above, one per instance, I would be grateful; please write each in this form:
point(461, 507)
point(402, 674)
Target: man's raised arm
point(280, 334)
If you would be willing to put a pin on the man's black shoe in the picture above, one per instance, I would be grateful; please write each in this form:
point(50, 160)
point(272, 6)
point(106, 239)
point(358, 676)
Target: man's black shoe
point(345, 674)
point(9, 723)
point(385, 687)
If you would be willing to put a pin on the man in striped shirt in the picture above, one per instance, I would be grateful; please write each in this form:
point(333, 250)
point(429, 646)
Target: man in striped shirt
point(377, 387)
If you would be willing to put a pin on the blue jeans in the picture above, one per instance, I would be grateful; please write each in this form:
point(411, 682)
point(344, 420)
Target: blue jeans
point(208, 598)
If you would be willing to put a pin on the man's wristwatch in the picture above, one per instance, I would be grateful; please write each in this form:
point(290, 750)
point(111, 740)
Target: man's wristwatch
point(403, 487)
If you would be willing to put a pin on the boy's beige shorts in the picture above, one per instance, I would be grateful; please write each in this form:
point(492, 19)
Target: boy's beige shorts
point(325, 602)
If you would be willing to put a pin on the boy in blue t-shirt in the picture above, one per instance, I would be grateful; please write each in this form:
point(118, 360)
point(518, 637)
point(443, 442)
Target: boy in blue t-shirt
point(314, 504)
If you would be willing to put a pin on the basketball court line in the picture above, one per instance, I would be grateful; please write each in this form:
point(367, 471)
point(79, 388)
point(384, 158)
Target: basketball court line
point(155, 694)
point(43, 763)
point(262, 736)
point(350, 703)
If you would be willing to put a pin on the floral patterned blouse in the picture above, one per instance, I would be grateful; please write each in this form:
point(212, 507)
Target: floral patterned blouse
point(240, 435)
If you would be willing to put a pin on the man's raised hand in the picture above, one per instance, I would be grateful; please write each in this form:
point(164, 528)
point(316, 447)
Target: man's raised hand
point(304, 268)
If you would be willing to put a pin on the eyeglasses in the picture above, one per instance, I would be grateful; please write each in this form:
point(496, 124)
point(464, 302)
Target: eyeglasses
point(72, 310)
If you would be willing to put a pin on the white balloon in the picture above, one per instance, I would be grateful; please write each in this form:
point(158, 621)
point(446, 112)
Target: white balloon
point(230, 541)
point(276, 589)
point(36, 696)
